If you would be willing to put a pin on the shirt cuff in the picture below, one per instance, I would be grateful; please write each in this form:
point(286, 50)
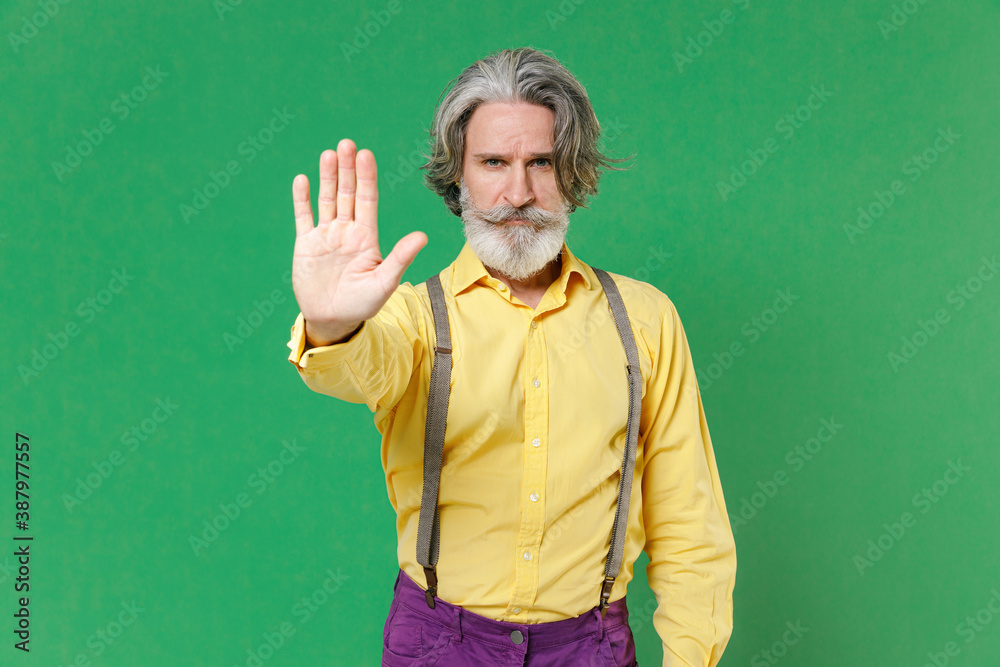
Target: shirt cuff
point(323, 355)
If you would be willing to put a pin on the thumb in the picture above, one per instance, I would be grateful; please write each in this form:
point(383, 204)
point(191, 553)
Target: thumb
point(396, 262)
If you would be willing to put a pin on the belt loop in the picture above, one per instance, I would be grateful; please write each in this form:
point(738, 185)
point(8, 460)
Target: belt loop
point(460, 612)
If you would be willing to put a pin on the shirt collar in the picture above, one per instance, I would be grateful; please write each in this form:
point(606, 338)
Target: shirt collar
point(467, 269)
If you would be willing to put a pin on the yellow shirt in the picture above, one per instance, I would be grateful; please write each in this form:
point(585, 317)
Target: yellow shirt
point(533, 449)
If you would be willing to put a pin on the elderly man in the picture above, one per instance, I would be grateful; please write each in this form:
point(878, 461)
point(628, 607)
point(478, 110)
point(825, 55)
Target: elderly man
point(540, 418)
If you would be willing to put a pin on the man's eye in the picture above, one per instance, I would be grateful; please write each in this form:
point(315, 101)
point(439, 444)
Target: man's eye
point(542, 162)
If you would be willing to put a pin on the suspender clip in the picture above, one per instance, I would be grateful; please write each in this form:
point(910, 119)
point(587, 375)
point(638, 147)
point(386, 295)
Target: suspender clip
point(606, 587)
point(432, 585)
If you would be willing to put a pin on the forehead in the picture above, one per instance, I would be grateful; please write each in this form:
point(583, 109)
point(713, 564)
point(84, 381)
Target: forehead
point(503, 127)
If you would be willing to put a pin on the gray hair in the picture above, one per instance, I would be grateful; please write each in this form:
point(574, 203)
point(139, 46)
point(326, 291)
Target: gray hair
point(512, 76)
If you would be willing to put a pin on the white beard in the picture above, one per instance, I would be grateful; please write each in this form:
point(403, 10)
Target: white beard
point(516, 251)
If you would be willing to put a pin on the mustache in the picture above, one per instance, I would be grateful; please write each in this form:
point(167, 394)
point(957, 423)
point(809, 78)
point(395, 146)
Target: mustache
point(533, 215)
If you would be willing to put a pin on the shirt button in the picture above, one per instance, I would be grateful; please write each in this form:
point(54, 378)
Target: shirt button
point(534, 325)
point(536, 383)
point(527, 555)
point(517, 610)
point(534, 497)
point(536, 442)
point(503, 288)
point(517, 637)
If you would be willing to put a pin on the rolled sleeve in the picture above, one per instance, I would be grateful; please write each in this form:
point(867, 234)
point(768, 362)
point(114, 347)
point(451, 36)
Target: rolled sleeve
point(374, 365)
point(316, 357)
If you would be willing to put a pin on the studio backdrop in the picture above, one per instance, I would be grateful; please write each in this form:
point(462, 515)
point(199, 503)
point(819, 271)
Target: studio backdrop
point(814, 185)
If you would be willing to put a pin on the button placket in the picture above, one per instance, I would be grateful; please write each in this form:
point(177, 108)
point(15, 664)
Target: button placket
point(536, 423)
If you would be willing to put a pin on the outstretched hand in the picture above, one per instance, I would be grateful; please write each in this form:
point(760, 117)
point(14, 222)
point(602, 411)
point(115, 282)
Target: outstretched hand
point(338, 274)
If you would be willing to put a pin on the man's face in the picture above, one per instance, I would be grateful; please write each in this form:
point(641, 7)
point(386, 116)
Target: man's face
point(515, 218)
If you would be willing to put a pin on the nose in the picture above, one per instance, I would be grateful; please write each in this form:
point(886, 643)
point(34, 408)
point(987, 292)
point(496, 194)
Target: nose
point(518, 191)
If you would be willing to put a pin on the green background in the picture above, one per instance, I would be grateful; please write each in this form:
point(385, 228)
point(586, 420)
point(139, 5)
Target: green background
point(169, 333)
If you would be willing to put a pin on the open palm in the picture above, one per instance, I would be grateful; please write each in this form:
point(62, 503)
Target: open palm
point(338, 274)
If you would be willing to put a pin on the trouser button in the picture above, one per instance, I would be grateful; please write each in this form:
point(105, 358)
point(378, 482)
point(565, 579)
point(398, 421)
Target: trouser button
point(517, 637)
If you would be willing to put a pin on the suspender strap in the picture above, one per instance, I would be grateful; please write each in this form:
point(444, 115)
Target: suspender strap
point(428, 539)
point(614, 561)
point(428, 526)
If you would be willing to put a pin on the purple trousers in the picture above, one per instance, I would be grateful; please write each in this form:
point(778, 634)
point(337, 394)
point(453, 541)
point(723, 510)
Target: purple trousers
point(449, 636)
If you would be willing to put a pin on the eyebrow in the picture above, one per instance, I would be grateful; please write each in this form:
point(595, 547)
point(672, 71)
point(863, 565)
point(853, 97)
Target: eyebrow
point(498, 156)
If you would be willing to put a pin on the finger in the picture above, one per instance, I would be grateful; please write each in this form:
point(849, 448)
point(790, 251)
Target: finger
point(300, 200)
point(327, 186)
point(345, 180)
point(366, 204)
point(393, 267)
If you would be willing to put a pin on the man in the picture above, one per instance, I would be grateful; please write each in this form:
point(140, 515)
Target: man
point(535, 471)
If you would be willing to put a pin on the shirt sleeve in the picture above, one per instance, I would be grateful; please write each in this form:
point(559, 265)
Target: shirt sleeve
point(374, 365)
point(689, 541)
